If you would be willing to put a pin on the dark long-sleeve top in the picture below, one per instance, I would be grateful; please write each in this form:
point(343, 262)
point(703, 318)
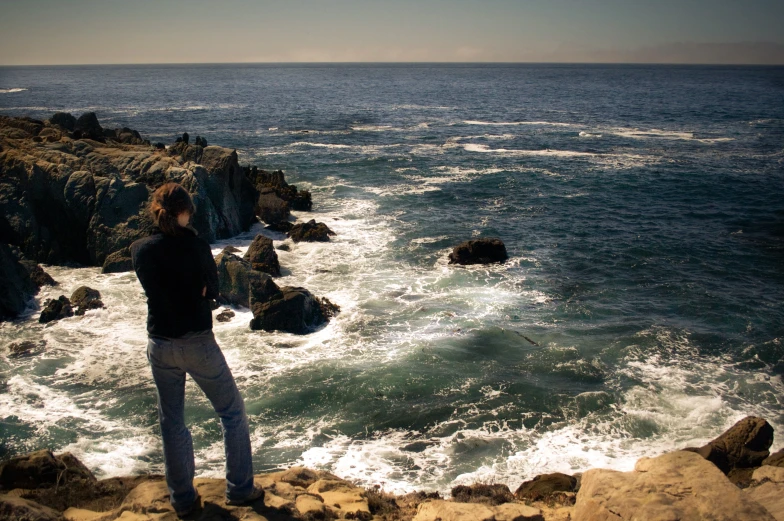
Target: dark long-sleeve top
point(174, 270)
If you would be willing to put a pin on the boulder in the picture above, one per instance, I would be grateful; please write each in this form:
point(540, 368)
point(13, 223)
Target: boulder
point(18, 288)
point(343, 497)
point(84, 299)
point(294, 310)
point(310, 231)
point(56, 309)
point(440, 510)
point(262, 179)
point(42, 468)
point(225, 316)
point(118, 262)
point(495, 494)
point(19, 509)
point(63, 120)
point(545, 485)
point(744, 446)
point(262, 257)
point(37, 274)
point(233, 278)
point(678, 485)
point(479, 251)
point(270, 208)
point(88, 127)
point(262, 289)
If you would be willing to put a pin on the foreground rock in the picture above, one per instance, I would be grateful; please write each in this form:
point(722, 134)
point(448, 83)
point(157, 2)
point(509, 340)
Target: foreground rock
point(290, 309)
point(79, 194)
point(56, 309)
point(233, 278)
point(42, 468)
point(679, 485)
point(85, 299)
point(480, 251)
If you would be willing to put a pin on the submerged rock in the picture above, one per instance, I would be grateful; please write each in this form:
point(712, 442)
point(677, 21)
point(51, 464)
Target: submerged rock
point(84, 299)
point(56, 309)
point(262, 257)
point(25, 347)
point(479, 251)
point(310, 231)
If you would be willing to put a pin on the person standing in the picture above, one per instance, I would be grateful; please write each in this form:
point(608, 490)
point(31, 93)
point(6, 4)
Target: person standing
point(179, 277)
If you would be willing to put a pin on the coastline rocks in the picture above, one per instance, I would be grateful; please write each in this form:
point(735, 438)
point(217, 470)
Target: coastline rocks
point(293, 310)
point(300, 200)
point(56, 309)
point(741, 448)
point(775, 460)
point(87, 127)
point(25, 347)
point(225, 315)
point(479, 251)
point(678, 485)
point(310, 231)
point(42, 468)
point(270, 208)
point(233, 278)
point(440, 510)
point(118, 262)
point(545, 486)
point(262, 257)
point(63, 120)
point(20, 509)
point(18, 288)
point(496, 494)
point(84, 299)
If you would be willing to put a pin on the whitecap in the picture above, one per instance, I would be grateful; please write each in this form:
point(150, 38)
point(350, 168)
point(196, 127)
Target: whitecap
point(11, 91)
point(516, 123)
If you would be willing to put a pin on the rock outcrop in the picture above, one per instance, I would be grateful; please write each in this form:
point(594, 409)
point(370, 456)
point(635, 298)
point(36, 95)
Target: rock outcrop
point(479, 251)
point(85, 299)
point(299, 200)
point(233, 278)
point(56, 309)
point(80, 196)
point(262, 257)
point(310, 231)
point(678, 485)
point(18, 288)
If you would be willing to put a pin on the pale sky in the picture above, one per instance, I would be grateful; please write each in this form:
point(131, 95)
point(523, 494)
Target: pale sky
point(47, 32)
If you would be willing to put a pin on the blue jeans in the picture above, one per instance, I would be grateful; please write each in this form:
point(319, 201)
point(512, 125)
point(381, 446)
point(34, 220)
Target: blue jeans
point(198, 355)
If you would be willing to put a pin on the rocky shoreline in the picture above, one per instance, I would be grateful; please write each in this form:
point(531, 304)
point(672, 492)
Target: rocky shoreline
point(734, 477)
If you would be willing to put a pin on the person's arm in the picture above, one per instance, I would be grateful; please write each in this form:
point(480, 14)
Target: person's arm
point(149, 277)
point(210, 270)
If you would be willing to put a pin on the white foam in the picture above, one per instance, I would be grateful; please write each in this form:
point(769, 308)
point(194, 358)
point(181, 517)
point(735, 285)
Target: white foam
point(667, 134)
point(484, 149)
point(517, 123)
point(11, 91)
point(588, 134)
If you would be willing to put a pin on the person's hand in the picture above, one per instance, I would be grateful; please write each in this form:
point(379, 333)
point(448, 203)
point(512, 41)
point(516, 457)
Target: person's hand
point(204, 292)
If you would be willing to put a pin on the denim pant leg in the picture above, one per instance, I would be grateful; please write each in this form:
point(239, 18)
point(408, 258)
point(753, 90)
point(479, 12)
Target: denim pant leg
point(209, 370)
point(177, 442)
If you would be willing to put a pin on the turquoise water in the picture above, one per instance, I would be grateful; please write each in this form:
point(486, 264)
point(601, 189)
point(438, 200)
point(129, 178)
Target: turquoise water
point(642, 207)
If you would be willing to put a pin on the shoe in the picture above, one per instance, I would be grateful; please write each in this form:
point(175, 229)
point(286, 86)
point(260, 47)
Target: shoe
point(188, 510)
point(256, 494)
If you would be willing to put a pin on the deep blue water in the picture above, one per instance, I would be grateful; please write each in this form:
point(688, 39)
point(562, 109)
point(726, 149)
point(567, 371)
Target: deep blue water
point(642, 206)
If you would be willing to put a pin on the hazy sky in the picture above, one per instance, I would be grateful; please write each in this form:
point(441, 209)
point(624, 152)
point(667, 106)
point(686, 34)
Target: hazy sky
point(183, 31)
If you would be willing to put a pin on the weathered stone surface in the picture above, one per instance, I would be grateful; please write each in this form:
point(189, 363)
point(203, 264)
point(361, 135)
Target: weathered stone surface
point(233, 278)
point(479, 251)
point(18, 288)
point(310, 231)
point(118, 262)
point(17, 509)
point(85, 299)
point(449, 511)
point(545, 485)
point(771, 496)
point(41, 468)
point(342, 496)
point(63, 120)
point(678, 485)
point(262, 289)
point(87, 127)
point(517, 512)
point(495, 494)
point(270, 208)
point(310, 504)
point(299, 476)
point(297, 199)
point(776, 459)
point(745, 445)
point(295, 310)
point(262, 257)
point(56, 309)
point(769, 473)
point(225, 316)
point(80, 201)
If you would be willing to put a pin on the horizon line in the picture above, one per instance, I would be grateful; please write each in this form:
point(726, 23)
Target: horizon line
point(696, 64)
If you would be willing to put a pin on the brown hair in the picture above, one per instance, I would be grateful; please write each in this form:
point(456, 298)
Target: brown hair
point(169, 201)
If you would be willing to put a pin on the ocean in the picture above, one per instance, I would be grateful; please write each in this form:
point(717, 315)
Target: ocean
point(640, 310)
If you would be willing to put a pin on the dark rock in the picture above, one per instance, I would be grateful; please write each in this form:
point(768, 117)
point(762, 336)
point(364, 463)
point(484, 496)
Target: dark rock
point(775, 460)
point(19, 509)
point(233, 281)
point(282, 227)
point(270, 208)
point(276, 180)
point(17, 287)
point(262, 289)
point(25, 347)
point(262, 256)
point(118, 262)
point(284, 247)
point(544, 486)
point(480, 251)
point(42, 468)
point(310, 231)
point(745, 445)
point(160, 146)
point(84, 299)
point(496, 494)
point(56, 309)
point(88, 127)
point(38, 275)
point(63, 120)
point(225, 316)
point(328, 308)
point(185, 138)
point(295, 310)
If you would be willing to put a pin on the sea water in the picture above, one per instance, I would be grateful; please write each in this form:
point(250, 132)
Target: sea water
point(640, 310)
